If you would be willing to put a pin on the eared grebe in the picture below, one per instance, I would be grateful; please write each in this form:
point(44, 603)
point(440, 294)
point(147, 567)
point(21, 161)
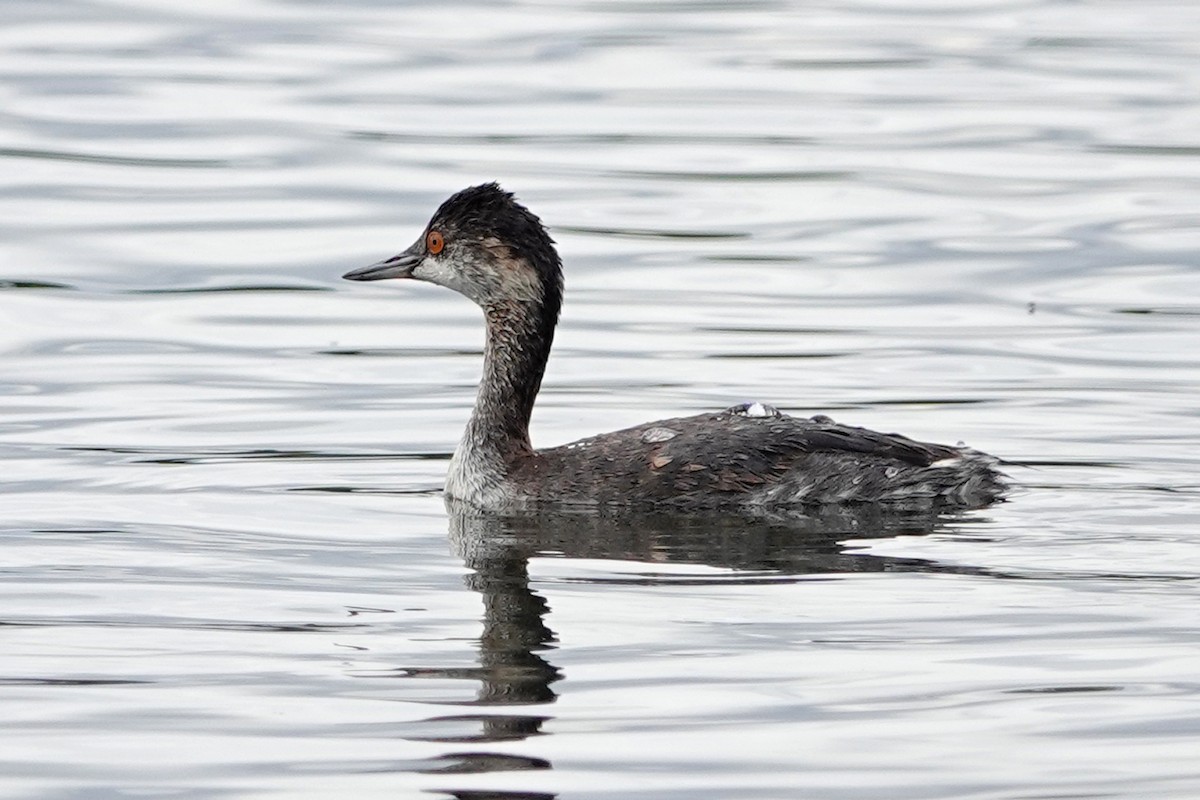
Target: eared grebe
point(494, 251)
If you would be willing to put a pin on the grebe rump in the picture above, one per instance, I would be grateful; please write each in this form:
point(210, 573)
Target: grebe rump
point(494, 251)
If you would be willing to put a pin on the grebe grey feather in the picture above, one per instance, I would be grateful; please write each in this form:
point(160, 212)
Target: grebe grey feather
point(494, 251)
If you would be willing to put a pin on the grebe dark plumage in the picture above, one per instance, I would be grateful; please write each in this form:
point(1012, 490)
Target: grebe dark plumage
point(494, 251)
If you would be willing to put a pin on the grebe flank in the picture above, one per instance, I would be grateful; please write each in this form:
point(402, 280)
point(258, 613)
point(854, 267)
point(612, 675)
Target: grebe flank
point(491, 249)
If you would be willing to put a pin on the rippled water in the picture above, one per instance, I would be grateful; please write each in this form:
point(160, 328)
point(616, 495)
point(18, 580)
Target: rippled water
point(227, 569)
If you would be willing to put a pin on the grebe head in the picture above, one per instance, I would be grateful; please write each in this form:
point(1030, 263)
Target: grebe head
point(484, 245)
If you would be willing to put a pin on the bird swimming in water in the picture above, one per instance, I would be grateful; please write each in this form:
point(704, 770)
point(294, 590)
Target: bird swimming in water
point(489, 248)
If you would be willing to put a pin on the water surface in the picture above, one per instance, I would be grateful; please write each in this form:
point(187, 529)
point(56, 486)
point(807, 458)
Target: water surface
point(227, 568)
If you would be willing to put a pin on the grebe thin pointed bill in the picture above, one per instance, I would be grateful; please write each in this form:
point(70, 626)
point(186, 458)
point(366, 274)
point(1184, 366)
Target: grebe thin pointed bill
point(486, 246)
point(400, 265)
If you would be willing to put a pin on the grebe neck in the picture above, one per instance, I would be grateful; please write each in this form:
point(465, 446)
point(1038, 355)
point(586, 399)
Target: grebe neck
point(519, 336)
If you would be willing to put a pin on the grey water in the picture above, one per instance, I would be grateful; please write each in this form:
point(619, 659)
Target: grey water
point(226, 568)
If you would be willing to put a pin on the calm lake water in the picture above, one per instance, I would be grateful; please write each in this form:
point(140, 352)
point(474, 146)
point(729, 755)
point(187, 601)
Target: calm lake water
point(227, 569)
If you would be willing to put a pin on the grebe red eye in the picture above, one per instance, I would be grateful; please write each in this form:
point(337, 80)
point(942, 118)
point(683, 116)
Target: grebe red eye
point(434, 242)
